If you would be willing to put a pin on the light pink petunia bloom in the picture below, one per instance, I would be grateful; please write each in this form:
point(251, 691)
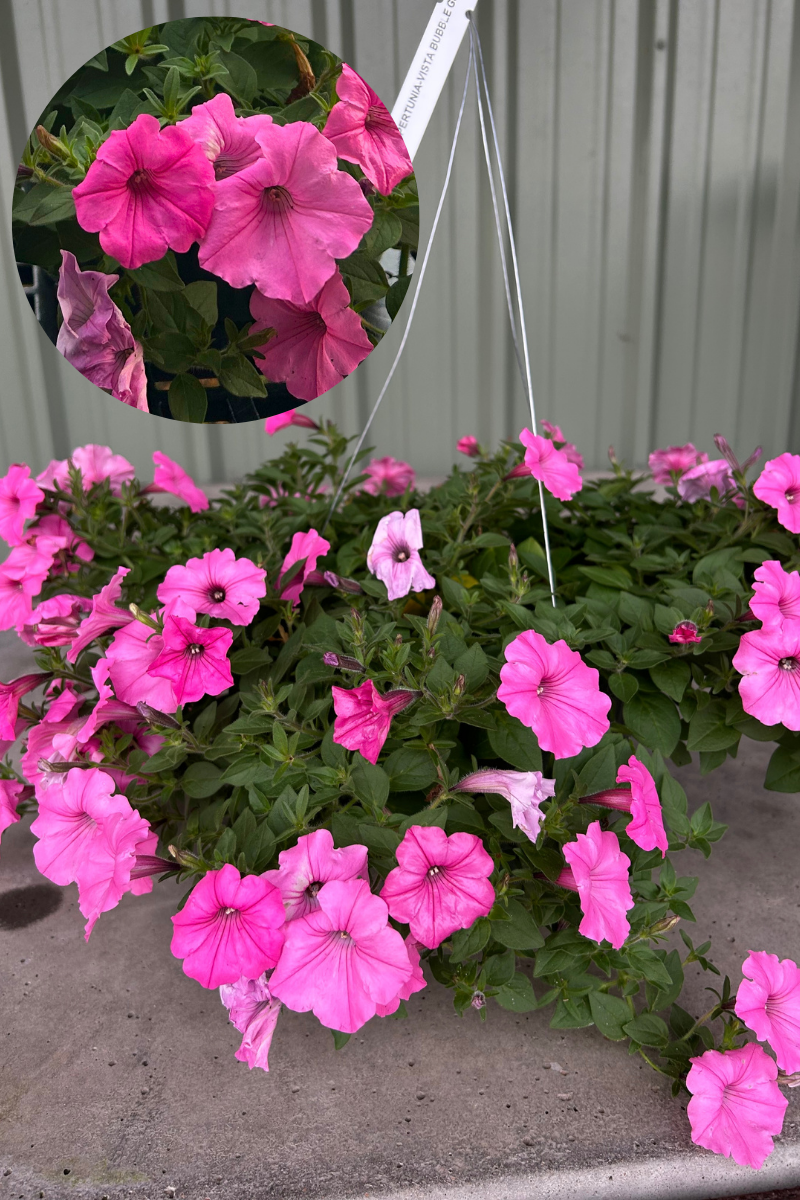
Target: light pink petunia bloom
point(552, 691)
point(194, 660)
point(685, 633)
point(72, 812)
point(342, 960)
point(316, 345)
point(230, 926)
point(219, 583)
point(19, 496)
point(106, 873)
point(469, 446)
point(394, 557)
point(646, 828)
point(282, 222)
point(55, 536)
point(228, 141)
point(10, 791)
point(95, 464)
point(363, 717)
point(414, 984)
point(389, 477)
point(254, 1011)
point(441, 883)
point(54, 622)
point(283, 420)
point(572, 452)
point(736, 1107)
point(21, 578)
point(525, 791)
point(312, 862)
point(170, 477)
point(598, 872)
point(667, 464)
point(10, 696)
point(768, 1001)
point(149, 190)
point(306, 548)
point(769, 662)
point(550, 466)
point(105, 614)
point(132, 652)
point(363, 131)
point(778, 485)
point(696, 483)
point(777, 594)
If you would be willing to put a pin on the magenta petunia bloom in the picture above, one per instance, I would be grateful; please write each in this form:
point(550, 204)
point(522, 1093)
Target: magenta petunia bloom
point(554, 432)
point(254, 1011)
point(778, 485)
point(697, 482)
point(394, 557)
point(9, 799)
point(105, 874)
point(525, 791)
point(105, 614)
point(312, 862)
point(316, 345)
point(132, 652)
point(194, 660)
point(170, 477)
point(282, 222)
point(10, 696)
point(54, 622)
point(306, 548)
point(363, 717)
point(667, 464)
point(646, 828)
point(219, 584)
point(469, 446)
point(769, 662)
point(342, 960)
point(149, 190)
point(72, 812)
point(415, 983)
point(440, 884)
point(19, 497)
point(230, 926)
point(768, 1001)
point(389, 477)
point(21, 578)
point(552, 691)
point(776, 595)
point(228, 142)
point(550, 466)
point(363, 131)
point(273, 425)
point(736, 1107)
point(685, 633)
point(598, 872)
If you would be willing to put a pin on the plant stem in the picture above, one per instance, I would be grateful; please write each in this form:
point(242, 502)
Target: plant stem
point(700, 1021)
point(655, 1067)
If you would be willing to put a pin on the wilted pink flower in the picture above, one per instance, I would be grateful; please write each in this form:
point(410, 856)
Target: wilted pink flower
point(219, 584)
point(9, 799)
point(342, 960)
point(19, 496)
point(572, 452)
point(312, 862)
point(254, 1011)
point(666, 464)
point(768, 1001)
point(685, 633)
point(696, 483)
point(389, 477)
point(598, 872)
point(552, 691)
point(132, 652)
point(776, 594)
point(551, 466)
point(316, 345)
point(149, 190)
point(282, 222)
point(229, 927)
point(104, 615)
point(363, 131)
point(54, 622)
point(469, 446)
point(170, 477)
point(736, 1107)
point(524, 790)
point(394, 557)
point(52, 535)
point(440, 884)
point(306, 548)
point(415, 983)
point(285, 419)
point(646, 828)
point(769, 662)
point(194, 660)
point(363, 717)
point(778, 485)
point(21, 578)
point(227, 141)
point(10, 696)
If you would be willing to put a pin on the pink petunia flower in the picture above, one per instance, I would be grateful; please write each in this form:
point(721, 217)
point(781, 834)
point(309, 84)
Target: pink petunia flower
point(230, 926)
point(646, 828)
point(572, 452)
point(306, 548)
point(170, 477)
point(685, 633)
point(95, 464)
point(525, 791)
point(219, 583)
point(778, 485)
point(394, 557)
point(363, 717)
point(194, 660)
point(552, 691)
point(415, 983)
point(769, 662)
point(696, 483)
point(133, 650)
point(54, 739)
point(768, 1001)
point(363, 131)
point(149, 190)
point(54, 622)
point(736, 1107)
point(469, 446)
point(598, 872)
point(19, 497)
point(776, 595)
point(53, 535)
point(107, 708)
point(309, 864)
point(228, 141)
point(105, 614)
point(283, 420)
point(389, 477)
point(10, 795)
point(106, 873)
point(10, 696)
point(254, 1011)
point(667, 464)
point(440, 884)
point(550, 466)
point(282, 222)
point(316, 345)
point(342, 960)
point(21, 578)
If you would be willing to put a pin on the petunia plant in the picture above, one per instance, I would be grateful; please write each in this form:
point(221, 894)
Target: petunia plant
point(227, 215)
point(375, 755)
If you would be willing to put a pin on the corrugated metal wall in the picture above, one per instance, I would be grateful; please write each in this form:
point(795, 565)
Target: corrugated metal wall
point(654, 154)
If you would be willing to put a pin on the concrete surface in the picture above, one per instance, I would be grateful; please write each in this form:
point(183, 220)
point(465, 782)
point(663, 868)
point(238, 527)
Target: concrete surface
point(117, 1075)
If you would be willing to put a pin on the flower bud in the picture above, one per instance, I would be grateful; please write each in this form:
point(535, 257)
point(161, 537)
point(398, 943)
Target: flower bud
point(684, 633)
point(343, 662)
point(460, 686)
point(435, 614)
point(790, 1081)
point(665, 925)
point(156, 717)
point(513, 557)
point(143, 618)
point(50, 143)
point(344, 585)
point(478, 1001)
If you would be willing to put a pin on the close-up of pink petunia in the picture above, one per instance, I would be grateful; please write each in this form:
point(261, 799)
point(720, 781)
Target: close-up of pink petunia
point(283, 420)
point(316, 345)
point(312, 862)
point(469, 446)
point(105, 874)
point(667, 464)
point(736, 1107)
point(219, 584)
point(21, 578)
point(105, 614)
point(282, 222)
point(440, 884)
point(598, 872)
point(10, 696)
point(415, 983)
point(685, 633)
point(54, 622)
point(306, 548)
point(525, 792)
point(10, 791)
point(364, 132)
point(342, 960)
point(148, 190)
point(394, 557)
point(776, 594)
point(389, 477)
point(69, 827)
point(230, 926)
point(228, 142)
point(769, 662)
point(254, 1011)
point(194, 660)
point(778, 485)
point(697, 482)
point(550, 466)
point(768, 1001)
point(363, 717)
point(133, 650)
point(550, 689)
point(170, 477)
point(19, 496)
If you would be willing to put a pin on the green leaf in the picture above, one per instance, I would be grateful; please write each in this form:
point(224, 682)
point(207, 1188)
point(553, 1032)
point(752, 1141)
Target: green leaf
point(201, 780)
point(386, 232)
point(340, 1040)
point(467, 942)
point(610, 1014)
point(410, 770)
point(161, 276)
point(653, 719)
point(667, 996)
point(520, 932)
point(275, 65)
point(44, 204)
point(242, 76)
point(623, 686)
point(647, 1030)
point(571, 1014)
point(517, 995)
point(672, 677)
point(708, 731)
point(649, 964)
point(163, 760)
point(783, 772)
point(239, 377)
point(397, 294)
point(515, 744)
point(172, 351)
point(498, 970)
point(474, 666)
point(187, 399)
point(371, 785)
point(202, 296)
point(610, 577)
point(365, 278)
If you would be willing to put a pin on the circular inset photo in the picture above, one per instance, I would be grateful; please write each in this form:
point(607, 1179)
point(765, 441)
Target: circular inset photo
point(215, 220)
